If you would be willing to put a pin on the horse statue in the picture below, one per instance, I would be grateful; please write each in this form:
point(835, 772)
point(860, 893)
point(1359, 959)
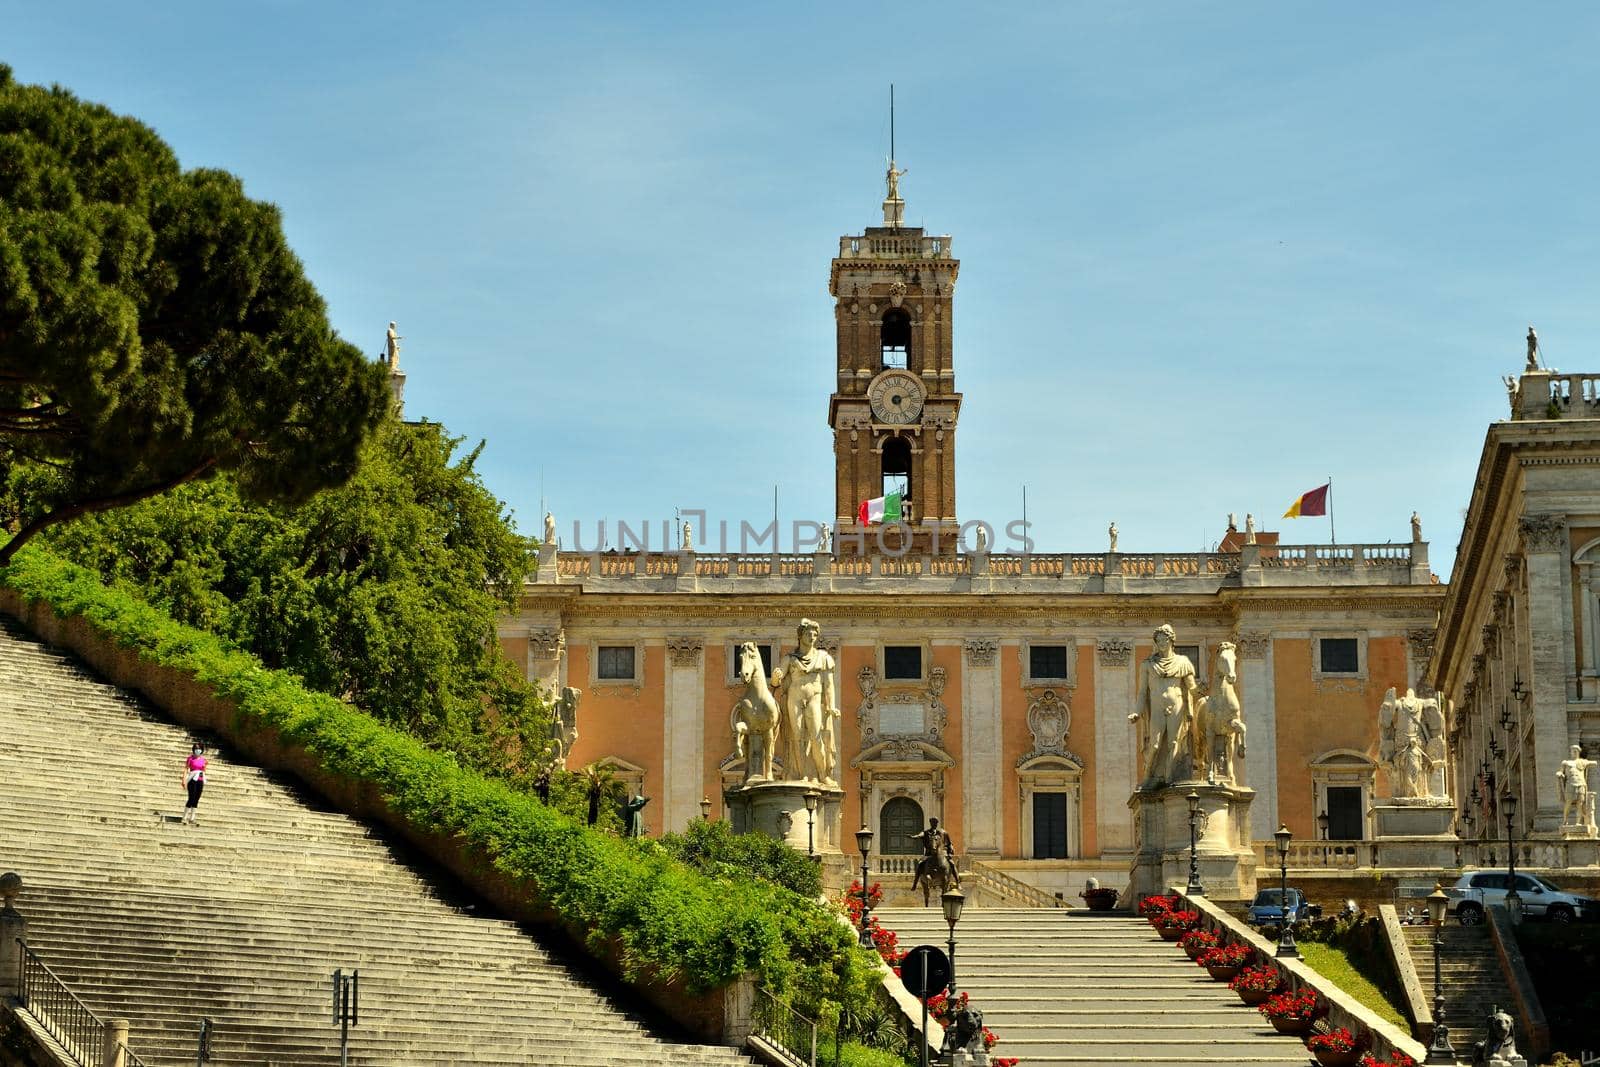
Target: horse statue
point(1219, 718)
point(938, 862)
point(755, 717)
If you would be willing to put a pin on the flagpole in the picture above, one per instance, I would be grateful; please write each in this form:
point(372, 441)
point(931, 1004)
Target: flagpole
point(1332, 538)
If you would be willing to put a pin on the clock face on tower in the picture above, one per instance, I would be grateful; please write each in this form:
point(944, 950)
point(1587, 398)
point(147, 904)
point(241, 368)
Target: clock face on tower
point(896, 397)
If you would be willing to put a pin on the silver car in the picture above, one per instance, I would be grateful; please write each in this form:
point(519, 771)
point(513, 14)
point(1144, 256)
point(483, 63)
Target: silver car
point(1474, 891)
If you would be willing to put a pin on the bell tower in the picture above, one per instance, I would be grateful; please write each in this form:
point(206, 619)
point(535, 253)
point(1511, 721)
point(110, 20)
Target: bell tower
point(894, 404)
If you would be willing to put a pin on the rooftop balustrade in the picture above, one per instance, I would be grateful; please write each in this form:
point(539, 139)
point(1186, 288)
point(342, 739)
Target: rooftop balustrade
point(1101, 572)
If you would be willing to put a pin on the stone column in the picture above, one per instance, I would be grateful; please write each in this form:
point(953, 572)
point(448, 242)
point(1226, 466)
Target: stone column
point(1549, 620)
point(12, 928)
point(1116, 766)
point(683, 750)
point(1259, 695)
point(545, 646)
point(981, 749)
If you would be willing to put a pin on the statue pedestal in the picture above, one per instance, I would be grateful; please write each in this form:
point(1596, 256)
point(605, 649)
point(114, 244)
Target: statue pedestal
point(778, 809)
point(1576, 831)
point(1421, 817)
point(1161, 827)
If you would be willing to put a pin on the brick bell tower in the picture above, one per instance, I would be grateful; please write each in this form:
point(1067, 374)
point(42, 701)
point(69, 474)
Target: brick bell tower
point(894, 405)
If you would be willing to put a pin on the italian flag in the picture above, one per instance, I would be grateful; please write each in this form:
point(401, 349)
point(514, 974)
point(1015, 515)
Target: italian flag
point(879, 509)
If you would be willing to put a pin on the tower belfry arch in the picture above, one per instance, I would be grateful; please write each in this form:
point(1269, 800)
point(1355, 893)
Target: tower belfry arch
point(895, 402)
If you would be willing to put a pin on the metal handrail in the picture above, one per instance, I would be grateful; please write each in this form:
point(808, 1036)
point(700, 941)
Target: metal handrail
point(77, 1029)
point(67, 1019)
point(786, 1030)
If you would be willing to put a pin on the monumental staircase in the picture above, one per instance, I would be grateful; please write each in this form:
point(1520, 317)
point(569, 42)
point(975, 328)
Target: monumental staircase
point(244, 917)
point(1076, 987)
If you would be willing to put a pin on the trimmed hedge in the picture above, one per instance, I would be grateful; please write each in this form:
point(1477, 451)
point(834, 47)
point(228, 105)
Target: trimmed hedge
point(676, 922)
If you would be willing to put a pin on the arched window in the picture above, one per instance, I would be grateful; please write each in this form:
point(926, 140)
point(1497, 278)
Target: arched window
point(897, 467)
point(895, 337)
point(900, 818)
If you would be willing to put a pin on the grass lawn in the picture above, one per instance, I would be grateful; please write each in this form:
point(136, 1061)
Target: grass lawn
point(1336, 967)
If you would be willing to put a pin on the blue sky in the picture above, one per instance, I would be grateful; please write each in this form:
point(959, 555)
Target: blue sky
point(1211, 253)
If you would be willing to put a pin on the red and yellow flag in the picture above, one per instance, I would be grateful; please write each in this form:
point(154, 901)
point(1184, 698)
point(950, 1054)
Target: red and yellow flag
point(1312, 503)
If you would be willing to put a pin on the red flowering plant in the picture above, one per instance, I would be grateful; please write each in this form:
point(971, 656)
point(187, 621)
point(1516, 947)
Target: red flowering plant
point(1263, 979)
point(1339, 1039)
point(887, 942)
point(1303, 1005)
point(1396, 1059)
point(1151, 906)
point(1177, 920)
point(1197, 941)
point(1234, 955)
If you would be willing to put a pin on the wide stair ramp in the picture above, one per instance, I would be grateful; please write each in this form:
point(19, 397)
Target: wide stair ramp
point(1474, 982)
point(244, 917)
point(1077, 987)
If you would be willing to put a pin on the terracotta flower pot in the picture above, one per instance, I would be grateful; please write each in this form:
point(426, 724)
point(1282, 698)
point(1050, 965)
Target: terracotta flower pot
point(1100, 899)
point(1253, 997)
point(1170, 933)
point(1224, 974)
point(1194, 950)
point(1331, 1058)
point(1286, 1024)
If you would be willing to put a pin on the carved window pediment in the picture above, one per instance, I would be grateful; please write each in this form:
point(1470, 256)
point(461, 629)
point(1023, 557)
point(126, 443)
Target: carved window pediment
point(903, 754)
point(900, 712)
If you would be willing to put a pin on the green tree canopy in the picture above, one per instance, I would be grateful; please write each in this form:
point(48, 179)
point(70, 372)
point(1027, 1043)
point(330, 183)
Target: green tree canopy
point(154, 326)
point(384, 591)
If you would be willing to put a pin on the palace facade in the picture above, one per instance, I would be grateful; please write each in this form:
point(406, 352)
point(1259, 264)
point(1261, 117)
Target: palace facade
point(989, 689)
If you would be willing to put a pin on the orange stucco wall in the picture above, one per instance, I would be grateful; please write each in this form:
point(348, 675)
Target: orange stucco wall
point(949, 658)
point(619, 720)
point(1312, 719)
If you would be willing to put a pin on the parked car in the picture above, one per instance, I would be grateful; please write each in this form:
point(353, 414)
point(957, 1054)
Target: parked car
point(1474, 891)
point(1267, 907)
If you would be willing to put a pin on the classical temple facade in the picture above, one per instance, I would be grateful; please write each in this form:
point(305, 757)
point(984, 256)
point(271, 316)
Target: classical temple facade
point(987, 687)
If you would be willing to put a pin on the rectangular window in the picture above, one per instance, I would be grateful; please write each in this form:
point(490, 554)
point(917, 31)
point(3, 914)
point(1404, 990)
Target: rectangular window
point(1339, 655)
point(1344, 813)
point(1047, 661)
point(902, 663)
point(615, 663)
point(1049, 826)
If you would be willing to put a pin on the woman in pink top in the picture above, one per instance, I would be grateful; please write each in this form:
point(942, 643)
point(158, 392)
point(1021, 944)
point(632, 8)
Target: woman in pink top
point(194, 780)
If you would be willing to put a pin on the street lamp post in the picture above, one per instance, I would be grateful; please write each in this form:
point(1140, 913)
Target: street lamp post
point(864, 844)
point(1286, 946)
point(952, 901)
point(1322, 826)
point(1508, 801)
point(1194, 888)
point(812, 797)
point(1439, 1051)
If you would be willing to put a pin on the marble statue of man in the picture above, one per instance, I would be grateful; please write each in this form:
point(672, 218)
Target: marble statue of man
point(1533, 350)
point(1166, 704)
point(1416, 528)
point(549, 530)
point(1113, 532)
point(1249, 529)
point(391, 348)
point(688, 536)
point(564, 726)
point(825, 538)
point(804, 689)
point(1577, 799)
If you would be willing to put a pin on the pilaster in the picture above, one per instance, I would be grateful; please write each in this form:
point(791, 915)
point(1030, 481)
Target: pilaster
point(683, 755)
point(1545, 537)
point(1259, 695)
point(1116, 770)
point(982, 750)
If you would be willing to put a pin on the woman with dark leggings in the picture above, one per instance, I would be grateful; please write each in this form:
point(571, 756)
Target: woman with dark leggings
point(194, 780)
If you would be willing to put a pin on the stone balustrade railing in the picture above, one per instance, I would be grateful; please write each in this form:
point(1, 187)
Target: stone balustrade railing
point(894, 247)
point(1254, 565)
point(1314, 856)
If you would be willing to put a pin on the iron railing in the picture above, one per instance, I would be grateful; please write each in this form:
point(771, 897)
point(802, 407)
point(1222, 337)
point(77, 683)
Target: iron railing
point(67, 1019)
point(794, 1036)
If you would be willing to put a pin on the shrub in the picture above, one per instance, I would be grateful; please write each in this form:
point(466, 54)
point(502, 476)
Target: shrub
point(660, 914)
point(714, 849)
